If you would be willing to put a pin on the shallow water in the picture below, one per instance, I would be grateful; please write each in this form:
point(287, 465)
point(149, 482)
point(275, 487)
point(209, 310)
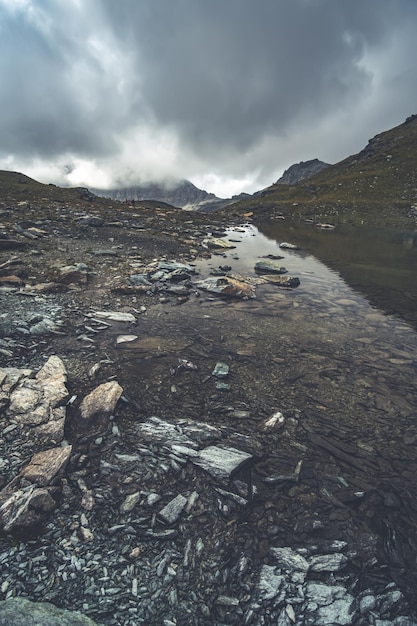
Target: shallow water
point(340, 369)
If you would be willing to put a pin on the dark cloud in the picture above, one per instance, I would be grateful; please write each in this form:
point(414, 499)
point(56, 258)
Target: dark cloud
point(219, 87)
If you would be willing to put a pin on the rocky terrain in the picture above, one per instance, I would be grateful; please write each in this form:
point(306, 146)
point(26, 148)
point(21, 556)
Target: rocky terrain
point(145, 476)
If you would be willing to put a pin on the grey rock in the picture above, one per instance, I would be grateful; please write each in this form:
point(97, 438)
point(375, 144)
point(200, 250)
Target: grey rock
point(366, 604)
point(22, 612)
point(171, 512)
point(221, 463)
point(288, 559)
point(172, 266)
point(139, 279)
point(322, 594)
point(328, 562)
point(340, 612)
point(270, 582)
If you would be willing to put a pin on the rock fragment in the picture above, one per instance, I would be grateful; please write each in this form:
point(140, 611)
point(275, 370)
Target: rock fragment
point(98, 405)
point(221, 463)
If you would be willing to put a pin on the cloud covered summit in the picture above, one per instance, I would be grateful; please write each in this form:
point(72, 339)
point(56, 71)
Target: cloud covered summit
point(227, 94)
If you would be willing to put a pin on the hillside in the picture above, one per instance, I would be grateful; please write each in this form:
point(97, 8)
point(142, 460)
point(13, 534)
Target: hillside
point(379, 183)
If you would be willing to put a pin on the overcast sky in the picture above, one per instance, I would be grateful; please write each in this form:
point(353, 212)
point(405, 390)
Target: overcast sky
point(226, 93)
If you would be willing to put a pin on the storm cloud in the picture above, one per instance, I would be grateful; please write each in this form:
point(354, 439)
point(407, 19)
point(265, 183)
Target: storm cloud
point(226, 93)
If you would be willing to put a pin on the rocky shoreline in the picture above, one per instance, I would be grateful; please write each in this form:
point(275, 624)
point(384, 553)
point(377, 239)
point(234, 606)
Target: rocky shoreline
point(170, 497)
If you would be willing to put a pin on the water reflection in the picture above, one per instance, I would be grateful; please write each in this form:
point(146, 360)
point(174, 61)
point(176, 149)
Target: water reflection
point(380, 264)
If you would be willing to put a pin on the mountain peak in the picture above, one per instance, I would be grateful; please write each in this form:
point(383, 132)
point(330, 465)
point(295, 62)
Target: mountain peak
point(301, 171)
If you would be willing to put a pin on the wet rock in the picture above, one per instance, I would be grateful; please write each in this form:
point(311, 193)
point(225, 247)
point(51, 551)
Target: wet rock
point(22, 612)
point(269, 266)
point(228, 286)
point(100, 403)
point(222, 463)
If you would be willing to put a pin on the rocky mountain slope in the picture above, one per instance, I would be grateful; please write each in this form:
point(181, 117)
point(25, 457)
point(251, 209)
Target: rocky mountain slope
point(301, 171)
point(379, 184)
point(182, 194)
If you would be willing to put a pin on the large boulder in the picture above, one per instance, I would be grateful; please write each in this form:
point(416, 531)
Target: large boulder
point(22, 612)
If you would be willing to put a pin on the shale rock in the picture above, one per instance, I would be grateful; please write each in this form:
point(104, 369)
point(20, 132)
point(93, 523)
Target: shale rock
point(22, 612)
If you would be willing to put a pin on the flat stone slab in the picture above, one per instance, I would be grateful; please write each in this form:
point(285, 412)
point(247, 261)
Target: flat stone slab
point(22, 612)
point(115, 316)
point(221, 463)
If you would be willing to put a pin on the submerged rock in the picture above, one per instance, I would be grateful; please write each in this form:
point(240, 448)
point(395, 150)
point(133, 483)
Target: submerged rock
point(270, 266)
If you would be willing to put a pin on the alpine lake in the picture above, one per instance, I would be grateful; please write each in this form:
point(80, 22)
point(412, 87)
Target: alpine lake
point(336, 356)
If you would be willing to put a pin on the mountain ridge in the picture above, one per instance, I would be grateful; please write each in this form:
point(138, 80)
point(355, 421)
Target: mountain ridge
point(378, 183)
